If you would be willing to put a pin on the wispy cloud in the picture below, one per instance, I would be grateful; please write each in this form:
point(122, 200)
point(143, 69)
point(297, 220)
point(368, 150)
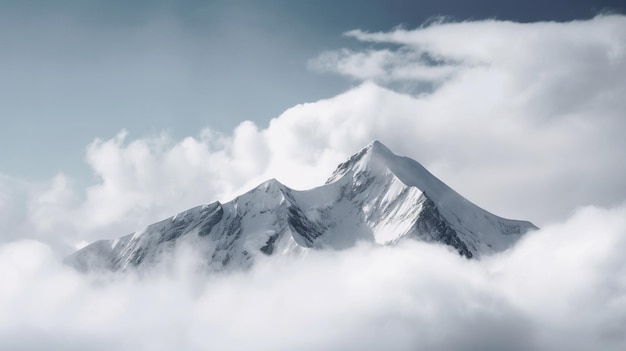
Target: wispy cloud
point(385, 65)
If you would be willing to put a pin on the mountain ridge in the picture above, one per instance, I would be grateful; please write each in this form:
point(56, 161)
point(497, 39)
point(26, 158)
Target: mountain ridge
point(374, 196)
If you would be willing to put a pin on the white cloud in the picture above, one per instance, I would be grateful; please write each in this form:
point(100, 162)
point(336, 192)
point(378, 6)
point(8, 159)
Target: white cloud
point(383, 65)
point(560, 288)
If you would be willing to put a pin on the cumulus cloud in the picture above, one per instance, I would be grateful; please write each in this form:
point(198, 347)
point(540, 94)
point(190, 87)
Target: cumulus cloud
point(522, 101)
point(561, 288)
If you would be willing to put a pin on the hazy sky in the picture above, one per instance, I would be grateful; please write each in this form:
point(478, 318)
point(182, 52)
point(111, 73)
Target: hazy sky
point(71, 71)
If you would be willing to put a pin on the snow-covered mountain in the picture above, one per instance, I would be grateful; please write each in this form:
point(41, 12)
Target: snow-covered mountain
point(374, 196)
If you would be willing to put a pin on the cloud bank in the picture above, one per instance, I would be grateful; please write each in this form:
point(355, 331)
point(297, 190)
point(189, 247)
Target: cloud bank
point(561, 288)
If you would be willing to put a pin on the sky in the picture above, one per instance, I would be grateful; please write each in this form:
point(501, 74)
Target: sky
point(117, 115)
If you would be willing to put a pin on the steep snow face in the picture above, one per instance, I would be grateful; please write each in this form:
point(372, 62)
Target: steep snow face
point(374, 196)
point(230, 234)
point(147, 245)
point(406, 194)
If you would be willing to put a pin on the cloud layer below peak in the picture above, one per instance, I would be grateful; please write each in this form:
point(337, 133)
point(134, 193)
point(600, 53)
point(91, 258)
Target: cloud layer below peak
point(561, 288)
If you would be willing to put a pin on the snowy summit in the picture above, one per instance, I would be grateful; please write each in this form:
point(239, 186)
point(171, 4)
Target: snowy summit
point(374, 196)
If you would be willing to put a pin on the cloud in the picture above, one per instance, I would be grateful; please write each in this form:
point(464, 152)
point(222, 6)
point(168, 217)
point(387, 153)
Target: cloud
point(560, 288)
point(384, 65)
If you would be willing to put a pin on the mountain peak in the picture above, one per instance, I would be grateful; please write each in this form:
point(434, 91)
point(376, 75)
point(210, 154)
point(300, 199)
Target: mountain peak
point(378, 164)
point(377, 148)
point(374, 155)
point(375, 144)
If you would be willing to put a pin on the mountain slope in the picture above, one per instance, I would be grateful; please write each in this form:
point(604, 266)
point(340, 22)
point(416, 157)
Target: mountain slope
point(374, 196)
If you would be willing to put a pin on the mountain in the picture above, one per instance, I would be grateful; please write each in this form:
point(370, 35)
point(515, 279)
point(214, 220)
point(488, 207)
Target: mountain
point(374, 196)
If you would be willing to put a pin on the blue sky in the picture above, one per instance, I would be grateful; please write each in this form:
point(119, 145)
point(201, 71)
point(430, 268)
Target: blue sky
point(73, 71)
